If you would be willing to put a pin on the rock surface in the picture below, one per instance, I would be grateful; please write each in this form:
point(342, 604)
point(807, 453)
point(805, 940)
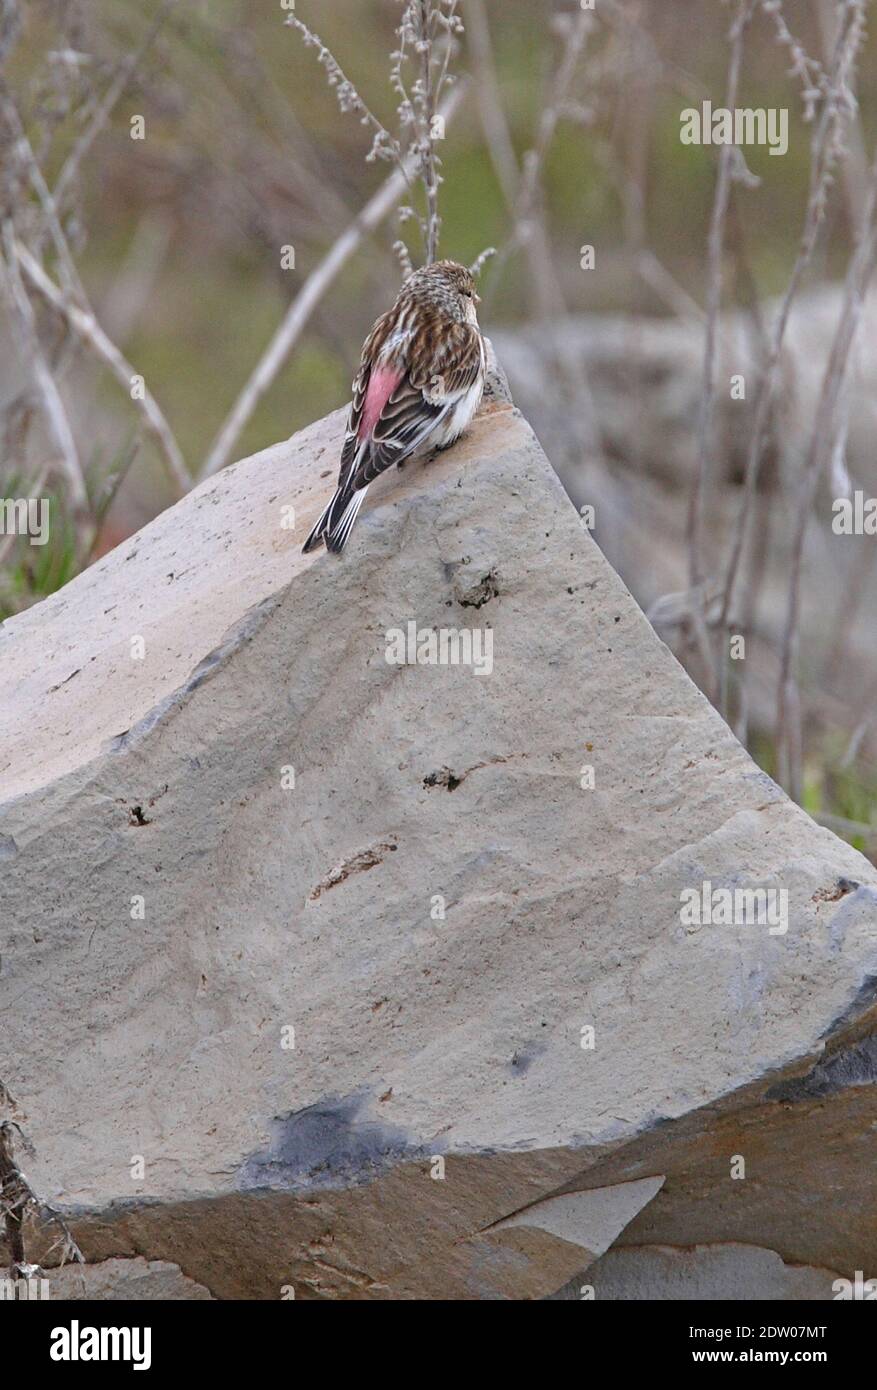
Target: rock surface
point(716, 1273)
point(329, 1035)
point(134, 1281)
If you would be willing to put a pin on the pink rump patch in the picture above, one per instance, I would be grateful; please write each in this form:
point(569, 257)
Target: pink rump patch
point(381, 385)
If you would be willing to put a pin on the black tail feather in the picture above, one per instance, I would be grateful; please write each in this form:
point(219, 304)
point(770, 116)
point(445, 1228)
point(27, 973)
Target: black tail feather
point(328, 520)
point(337, 534)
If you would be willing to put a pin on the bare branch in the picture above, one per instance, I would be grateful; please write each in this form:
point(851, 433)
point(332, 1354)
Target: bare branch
point(69, 272)
point(493, 121)
point(105, 108)
point(86, 326)
point(824, 153)
point(299, 312)
point(17, 1197)
point(714, 302)
point(404, 258)
point(825, 433)
point(809, 71)
point(384, 146)
point(418, 34)
point(658, 278)
point(53, 406)
point(10, 27)
point(429, 159)
point(478, 264)
point(529, 230)
point(578, 30)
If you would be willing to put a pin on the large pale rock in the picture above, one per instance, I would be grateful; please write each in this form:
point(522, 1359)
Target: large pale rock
point(171, 909)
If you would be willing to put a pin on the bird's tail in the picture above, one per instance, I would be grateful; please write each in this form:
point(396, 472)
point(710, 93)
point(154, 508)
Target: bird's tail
point(316, 535)
point(336, 521)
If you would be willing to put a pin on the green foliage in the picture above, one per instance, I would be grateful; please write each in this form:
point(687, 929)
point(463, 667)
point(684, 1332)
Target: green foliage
point(32, 572)
point(837, 792)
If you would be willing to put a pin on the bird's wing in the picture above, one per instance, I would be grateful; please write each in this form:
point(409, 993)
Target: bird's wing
point(351, 447)
point(435, 381)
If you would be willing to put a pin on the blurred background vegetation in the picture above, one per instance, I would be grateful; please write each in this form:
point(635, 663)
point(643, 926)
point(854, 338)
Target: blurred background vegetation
point(178, 237)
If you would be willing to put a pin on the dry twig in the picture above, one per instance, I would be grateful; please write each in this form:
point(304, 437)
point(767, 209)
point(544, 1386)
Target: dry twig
point(827, 427)
point(86, 326)
point(53, 406)
point(379, 206)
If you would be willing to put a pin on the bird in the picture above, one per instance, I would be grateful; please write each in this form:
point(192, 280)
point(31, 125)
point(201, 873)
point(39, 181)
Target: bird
point(420, 382)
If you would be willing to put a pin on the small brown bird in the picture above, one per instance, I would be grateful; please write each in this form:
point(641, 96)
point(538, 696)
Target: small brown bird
point(419, 383)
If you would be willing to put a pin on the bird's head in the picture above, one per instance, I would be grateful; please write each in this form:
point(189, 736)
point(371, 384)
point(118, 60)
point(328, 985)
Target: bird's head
point(448, 286)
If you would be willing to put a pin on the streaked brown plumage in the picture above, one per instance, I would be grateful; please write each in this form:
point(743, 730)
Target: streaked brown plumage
point(419, 384)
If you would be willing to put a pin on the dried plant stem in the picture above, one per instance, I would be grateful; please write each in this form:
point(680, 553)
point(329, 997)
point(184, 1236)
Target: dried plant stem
point(17, 1197)
point(528, 230)
point(808, 70)
point(530, 233)
point(656, 275)
point(855, 167)
point(854, 590)
point(385, 146)
point(403, 256)
point(534, 160)
point(493, 121)
point(104, 109)
point(379, 206)
point(69, 273)
point(429, 159)
point(418, 31)
point(716, 245)
point(86, 327)
point(14, 1197)
point(481, 260)
point(822, 162)
point(53, 407)
point(10, 27)
point(825, 434)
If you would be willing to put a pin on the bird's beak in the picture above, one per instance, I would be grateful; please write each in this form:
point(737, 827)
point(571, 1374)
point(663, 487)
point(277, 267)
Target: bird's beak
point(476, 298)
